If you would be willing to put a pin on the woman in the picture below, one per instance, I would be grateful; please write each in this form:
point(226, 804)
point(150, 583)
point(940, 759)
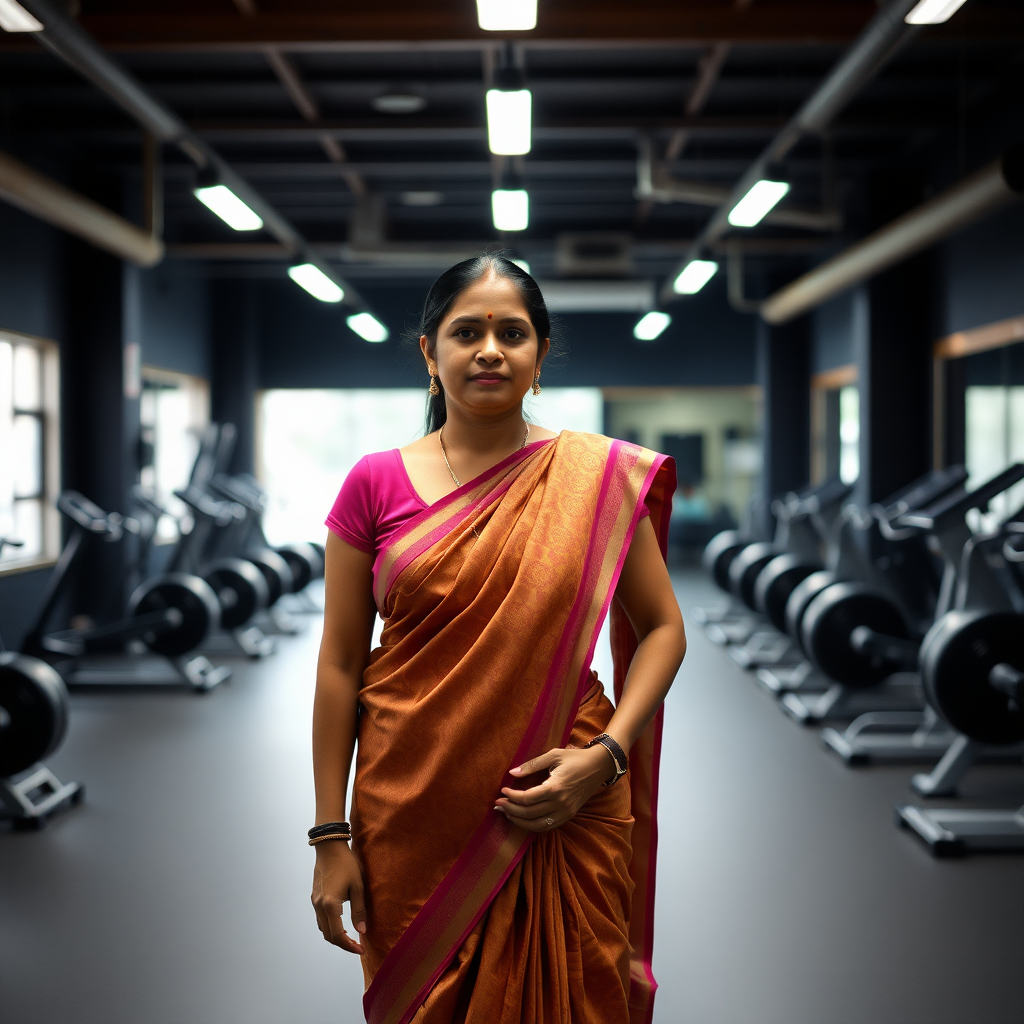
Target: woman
point(497, 874)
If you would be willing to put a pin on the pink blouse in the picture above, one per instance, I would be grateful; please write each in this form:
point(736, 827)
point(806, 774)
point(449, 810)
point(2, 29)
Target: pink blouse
point(376, 500)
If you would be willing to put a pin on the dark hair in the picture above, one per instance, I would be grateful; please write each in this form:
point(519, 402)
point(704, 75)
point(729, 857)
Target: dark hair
point(451, 284)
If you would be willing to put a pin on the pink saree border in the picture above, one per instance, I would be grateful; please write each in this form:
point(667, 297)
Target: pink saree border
point(381, 587)
point(495, 831)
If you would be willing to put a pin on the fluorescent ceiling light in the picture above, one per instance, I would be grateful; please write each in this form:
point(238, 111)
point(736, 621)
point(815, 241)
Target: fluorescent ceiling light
point(508, 121)
point(316, 282)
point(368, 327)
point(510, 209)
point(398, 103)
point(522, 265)
point(507, 15)
point(228, 207)
point(694, 276)
point(762, 197)
point(933, 12)
point(650, 326)
point(14, 18)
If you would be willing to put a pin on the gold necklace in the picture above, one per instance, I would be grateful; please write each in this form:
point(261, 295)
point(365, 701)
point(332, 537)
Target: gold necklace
point(444, 454)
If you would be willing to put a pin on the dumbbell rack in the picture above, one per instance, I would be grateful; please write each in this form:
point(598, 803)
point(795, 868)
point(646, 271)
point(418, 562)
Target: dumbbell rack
point(953, 830)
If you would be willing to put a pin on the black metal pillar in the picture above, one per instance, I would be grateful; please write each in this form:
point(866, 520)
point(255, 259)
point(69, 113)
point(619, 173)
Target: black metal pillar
point(234, 361)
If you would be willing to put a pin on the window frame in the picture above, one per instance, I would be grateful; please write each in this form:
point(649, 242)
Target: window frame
point(48, 416)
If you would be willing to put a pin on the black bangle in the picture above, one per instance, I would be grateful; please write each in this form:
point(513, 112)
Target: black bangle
point(618, 755)
point(332, 829)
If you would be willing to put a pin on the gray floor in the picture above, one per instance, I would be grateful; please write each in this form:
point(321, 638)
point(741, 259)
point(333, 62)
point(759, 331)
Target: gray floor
point(178, 894)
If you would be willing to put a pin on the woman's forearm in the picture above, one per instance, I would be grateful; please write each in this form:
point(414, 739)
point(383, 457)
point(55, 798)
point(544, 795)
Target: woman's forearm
point(335, 722)
point(650, 676)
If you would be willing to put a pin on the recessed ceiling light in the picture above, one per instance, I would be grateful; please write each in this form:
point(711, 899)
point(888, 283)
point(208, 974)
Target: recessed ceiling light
point(14, 18)
point(424, 198)
point(398, 103)
point(933, 12)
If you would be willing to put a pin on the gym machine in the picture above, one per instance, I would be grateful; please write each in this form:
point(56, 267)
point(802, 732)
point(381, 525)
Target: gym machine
point(856, 625)
point(848, 559)
point(170, 615)
point(972, 665)
point(33, 722)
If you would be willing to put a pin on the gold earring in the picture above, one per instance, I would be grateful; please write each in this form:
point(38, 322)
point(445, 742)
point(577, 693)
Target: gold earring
point(536, 384)
point(433, 389)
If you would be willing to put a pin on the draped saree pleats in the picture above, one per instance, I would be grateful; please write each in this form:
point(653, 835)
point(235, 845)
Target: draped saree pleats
point(492, 601)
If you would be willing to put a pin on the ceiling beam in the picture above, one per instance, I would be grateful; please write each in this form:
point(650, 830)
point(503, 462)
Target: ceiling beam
point(412, 21)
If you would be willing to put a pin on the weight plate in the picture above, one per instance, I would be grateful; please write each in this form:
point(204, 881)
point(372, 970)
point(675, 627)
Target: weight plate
point(33, 712)
point(304, 562)
point(746, 566)
point(776, 582)
point(957, 656)
point(719, 553)
point(803, 593)
point(275, 571)
point(240, 588)
point(192, 596)
point(830, 619)
point(322, 552)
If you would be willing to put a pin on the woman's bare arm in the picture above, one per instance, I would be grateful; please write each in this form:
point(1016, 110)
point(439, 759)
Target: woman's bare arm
point(645, 593)
point(344, 652)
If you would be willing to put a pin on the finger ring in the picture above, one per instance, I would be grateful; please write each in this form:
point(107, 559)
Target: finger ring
point(550, 822)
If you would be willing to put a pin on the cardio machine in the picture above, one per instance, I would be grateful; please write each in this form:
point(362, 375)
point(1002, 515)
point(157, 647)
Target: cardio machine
point(169, 615)
point(33, 723)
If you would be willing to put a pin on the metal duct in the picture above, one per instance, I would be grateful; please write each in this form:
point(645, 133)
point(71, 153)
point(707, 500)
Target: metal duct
point(994, 186)
point(50, 201)
point(75, 47)
point(884, 35)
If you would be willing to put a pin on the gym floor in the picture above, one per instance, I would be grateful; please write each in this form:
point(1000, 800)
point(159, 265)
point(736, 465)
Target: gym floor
point(178, 893)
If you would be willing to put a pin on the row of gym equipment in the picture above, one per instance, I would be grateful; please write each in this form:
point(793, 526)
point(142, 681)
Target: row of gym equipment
point(897, 628)
point(224, 591)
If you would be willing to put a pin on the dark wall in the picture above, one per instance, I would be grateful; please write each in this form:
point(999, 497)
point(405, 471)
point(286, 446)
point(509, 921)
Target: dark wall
point(833, 328)
point(305, 343)
point(167, 311)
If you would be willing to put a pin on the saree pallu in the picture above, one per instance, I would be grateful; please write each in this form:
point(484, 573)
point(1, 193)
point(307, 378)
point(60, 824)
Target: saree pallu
point(492, 600)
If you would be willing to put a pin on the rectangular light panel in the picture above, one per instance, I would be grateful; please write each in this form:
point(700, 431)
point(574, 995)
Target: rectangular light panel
point(14, 18)
point(651, 326)
point(223, 202)
point(368, 327)
point(694, 276)
point(508, 121)
point(510, 209)
point(506, 15)
point(316, 282)
point(933, 12)
point(754, 206)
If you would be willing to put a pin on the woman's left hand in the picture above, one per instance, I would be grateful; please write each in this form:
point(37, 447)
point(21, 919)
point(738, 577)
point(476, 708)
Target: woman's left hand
point(575, 776)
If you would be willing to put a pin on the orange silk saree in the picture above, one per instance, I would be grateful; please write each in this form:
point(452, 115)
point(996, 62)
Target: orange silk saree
point(492, 600)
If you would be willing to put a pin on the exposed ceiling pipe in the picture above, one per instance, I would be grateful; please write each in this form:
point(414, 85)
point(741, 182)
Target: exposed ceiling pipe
point(50, 201)
point(994, 186)
point(73, 45)
point(884, 35)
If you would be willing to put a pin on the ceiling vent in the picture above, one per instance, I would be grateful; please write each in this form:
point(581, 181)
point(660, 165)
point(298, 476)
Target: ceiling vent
point(594, 254)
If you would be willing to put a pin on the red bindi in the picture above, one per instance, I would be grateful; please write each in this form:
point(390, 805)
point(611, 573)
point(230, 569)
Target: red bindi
point(490, 316)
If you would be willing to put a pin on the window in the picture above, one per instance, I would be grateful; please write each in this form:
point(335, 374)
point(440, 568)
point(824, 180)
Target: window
point(994, 440)
point(29, 453)
point(174, 410)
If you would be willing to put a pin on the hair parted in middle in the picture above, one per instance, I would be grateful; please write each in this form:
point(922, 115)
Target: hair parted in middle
point(450, 285)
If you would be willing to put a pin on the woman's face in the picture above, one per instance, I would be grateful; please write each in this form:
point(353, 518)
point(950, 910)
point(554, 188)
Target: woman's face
point(487, 351)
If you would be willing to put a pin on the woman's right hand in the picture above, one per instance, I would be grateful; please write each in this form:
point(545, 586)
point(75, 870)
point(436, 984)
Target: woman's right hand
point(337, 877)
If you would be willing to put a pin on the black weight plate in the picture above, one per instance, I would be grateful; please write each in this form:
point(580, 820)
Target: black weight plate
point(776, 582)
point(192, 596)
point(322, 552)
point(831, 618)
point(240, 588)
point(719, 553)
point(304, 562)
point(746, 567)
point(34, 701)
point(803, 593)
point(275, 571)
point(957, 656)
